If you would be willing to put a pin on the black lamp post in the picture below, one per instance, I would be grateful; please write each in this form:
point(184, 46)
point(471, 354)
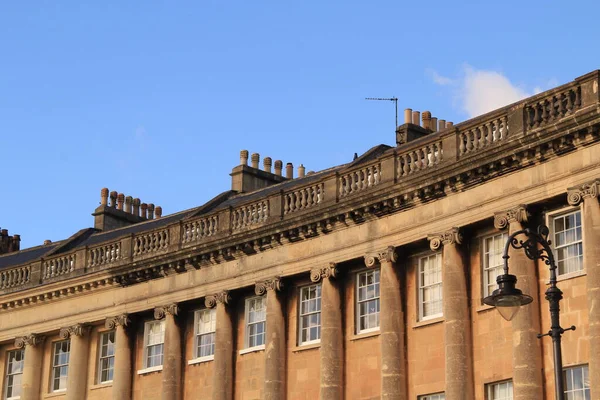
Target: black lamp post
point(507, 298)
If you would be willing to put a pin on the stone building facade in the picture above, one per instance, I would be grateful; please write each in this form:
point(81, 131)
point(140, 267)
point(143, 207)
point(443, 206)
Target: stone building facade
point(362, 281)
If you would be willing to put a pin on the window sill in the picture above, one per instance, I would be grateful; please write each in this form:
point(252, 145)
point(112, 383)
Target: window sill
point(428, 322)
point(101, 385)
point(252, 349)
point(149, 370)
point(570, 275)
point(308, 346)
point(61, 392)
point(365, 335)
point(200, 360)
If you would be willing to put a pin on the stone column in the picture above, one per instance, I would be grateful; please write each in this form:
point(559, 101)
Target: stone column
point(171, 373)
point(527, 350)
point(391, 319)
point(274, 386)
point(223, 364)
point(121, 387)
point(78, 360)
point(588, 193)
point(457, 325)
point(34, 352)
point(332, 334)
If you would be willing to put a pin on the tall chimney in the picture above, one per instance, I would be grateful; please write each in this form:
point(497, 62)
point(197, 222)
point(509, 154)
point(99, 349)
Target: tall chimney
point(441, 124)
point(433, 124)
point(426, 119)
point(113, 199)
point(144, 208)
point(9, 244)
point(128, 204)
point(278, 167)
point(136, 206)
point(301, 171)
point(120, 201)
point(267, 162)
point(289, 170)
point(158, 211)
point(408, 116)
point(255, 159)
point(150, 211)
point(104, 196)
point(416, 118)
point(244, 157)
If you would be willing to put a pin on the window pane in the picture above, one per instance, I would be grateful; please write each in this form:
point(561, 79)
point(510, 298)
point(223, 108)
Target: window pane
point(576, 383)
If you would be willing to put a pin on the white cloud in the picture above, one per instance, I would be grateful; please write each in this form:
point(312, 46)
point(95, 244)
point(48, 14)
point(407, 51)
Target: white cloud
point(439, 79)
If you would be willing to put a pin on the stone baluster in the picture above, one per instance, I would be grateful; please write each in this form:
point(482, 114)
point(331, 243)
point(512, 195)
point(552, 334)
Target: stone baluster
point(121, 387)
point(527, 351)
point(332, 347)
point(34, 354)
point(223, 364)
point(457, 325)
point(171, 373)
point(275, 360)
point(588, 195)
point(78, 360)
point(393, 363)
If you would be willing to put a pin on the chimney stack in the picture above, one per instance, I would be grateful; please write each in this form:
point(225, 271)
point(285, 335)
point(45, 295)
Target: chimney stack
point(104, 196)
point(150, 211)
point(128, 201)
point(255, 159)
point(244, 157)
point(136, 206)
point(278, 167)
point(9, 244)
point(289, 170)
point(247, 178)
point(120, 201)
point(267, 162)
point(144, 208)
point(416, 118)
point(121, 211)
point(158, 211)
point(426, 119)
point(408, 116)
point(441, 124)
point(113, 199)
point(301, 171)
point(433, 124)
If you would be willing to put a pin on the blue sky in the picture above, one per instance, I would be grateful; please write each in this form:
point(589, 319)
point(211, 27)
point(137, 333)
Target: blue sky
point(156, 99)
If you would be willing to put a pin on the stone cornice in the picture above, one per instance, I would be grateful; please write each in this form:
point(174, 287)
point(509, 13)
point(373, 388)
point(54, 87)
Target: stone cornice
point(577, 194)
point(119, 320)
point(275, 284)
point(212, 300)
point(451, 236)
point(328, 272)
point(74, 330)
point(162, 311)
point(29, 340)
point(384, 256)
point(502, 219)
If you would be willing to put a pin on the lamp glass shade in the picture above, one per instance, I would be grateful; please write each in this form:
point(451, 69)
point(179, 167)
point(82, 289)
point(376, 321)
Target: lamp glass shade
point(508, 306)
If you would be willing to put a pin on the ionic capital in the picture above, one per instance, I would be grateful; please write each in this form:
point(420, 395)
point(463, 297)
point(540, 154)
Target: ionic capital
point(162, 311)
point(29, 340)
point(223, 297)
point(502, 219)
point(451, 236)
point(387, 255)
point(120, 320)
point(274, 284)
point(576, 194)
point(74, 330)
point(331, 271)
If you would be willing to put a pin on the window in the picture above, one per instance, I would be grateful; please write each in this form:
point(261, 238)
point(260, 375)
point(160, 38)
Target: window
point(106, 363)
point(154, 338)
point(499, 391)
point(14, 373)
point(309, 323)
point(256, 310)
point(206, 324)
point(430, 287)
point(367, 298)
point(436, 396)
point(493, 247)
point(60, 365)
point(567, 242)
point(577, 382)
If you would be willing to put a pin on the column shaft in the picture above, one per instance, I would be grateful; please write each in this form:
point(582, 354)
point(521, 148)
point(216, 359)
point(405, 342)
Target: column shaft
point(78, 365)
point(34, 352)
point(275, 348)
point(122, 373)
point(171, 373)
point(332, 346)
point(223, 363)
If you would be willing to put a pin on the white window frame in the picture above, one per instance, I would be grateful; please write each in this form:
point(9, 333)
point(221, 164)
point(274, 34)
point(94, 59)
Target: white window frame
point(421, 287)
point(358, 301)
point(433, 396)
point(102, 357)
point(198, 334)
point(550, 217)
point(488, 287)
point(568, 375)
point(490, 387)
point(301, 327)
point(59, 366)
point(147, 326)
point(247, 323)
point(8, 374)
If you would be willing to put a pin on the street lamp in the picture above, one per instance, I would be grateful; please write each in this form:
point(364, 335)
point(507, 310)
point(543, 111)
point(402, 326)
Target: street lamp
point(508, 299)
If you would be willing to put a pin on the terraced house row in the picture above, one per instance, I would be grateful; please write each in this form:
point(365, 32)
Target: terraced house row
point(362, 281)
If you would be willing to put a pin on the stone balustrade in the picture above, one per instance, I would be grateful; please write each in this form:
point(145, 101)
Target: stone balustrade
point(103, 255)
point(303, 198)
point(251, 214)
point(197, 229)
point(58, 266)
point(360, 179)
point(553, 107)
point(420, 158)
point(472, 140)
point(151, 242)
point(15, 277)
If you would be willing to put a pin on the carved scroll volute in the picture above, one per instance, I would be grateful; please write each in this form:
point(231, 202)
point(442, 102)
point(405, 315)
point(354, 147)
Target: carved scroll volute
point(223, 297)
point(387, 255)
point(331, 271)
point(161, 312)
point(576, 194)
point(120, 320)
point(451, 236)
point(503, 219)
point(270, 284)
point(74, 330)
point(29, 340)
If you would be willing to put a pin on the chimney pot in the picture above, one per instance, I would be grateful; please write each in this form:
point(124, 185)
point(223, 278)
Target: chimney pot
point(113, 199)
point(120, 201)
point(136, 206)
point(104, 196)
point(244, 157)
point(426, 119)
point(144, 208)
point(416, 118)
point(150, 211)
point(255, 158)
point(267, 162)
point(449, 124)
point(47, 242)
point(128, 201)
point(408, 115)
point(301, 171)
point(441, 124)
point(4, 232)
point(433, 124)
point(158, 211)
point(289, 170)
point(278, 167)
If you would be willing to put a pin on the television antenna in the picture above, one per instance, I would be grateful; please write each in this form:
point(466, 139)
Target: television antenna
point(394, 99)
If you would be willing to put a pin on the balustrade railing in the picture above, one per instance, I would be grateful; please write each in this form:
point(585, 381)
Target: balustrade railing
point(250, 214)
point(59, 266)
point(200, 228)
point(150, 242)
point(553, 107)
point(419, 159)
point(15, 277)
point(360, 179)
point(474, 139)
point(104, 254)
point(303, 198)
